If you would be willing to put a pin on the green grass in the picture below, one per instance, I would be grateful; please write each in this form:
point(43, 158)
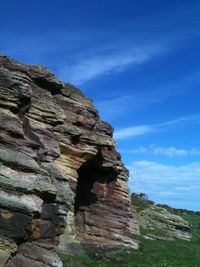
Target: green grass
point(156, 232)
point(156, 253)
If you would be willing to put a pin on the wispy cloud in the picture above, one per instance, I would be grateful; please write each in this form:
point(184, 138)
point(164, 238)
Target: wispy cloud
point(178, 186)
point(110, 62)
point(174, 25)
point(133, 131)
point(116, 106)
point(164, 151)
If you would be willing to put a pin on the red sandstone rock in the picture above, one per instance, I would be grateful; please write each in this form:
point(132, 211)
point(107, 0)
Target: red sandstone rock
point(61, 179)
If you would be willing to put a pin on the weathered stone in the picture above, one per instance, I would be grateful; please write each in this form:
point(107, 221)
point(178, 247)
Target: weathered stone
point(39, 254)
point(103, 127)
point(44, 107)
point(14, 224)
point(7, 246)
point(35, 256)
point(17, 160)
point(47, 229)
point(61, 178)
point(21, 261)
point(13, 180)
point(50, 146)
point(24, 203)
point(4, 257)
point(159, 223)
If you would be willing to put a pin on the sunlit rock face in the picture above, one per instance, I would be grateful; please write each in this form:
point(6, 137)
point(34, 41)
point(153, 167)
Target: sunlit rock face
point(158, 223)
point(62, 181)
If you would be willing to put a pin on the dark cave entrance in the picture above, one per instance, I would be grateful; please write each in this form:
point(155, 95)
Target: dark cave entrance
point(86, 180)
point(91, 176)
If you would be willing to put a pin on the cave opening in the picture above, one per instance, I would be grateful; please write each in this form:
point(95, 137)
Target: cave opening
point(91, 176)
point(84, 194)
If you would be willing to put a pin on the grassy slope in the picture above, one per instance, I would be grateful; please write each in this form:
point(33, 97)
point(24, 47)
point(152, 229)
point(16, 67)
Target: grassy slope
point(152, 253)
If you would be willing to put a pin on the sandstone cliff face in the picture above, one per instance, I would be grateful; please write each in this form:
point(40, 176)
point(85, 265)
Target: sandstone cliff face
point(61, 180)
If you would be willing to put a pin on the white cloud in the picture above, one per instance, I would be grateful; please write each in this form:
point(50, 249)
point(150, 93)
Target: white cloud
point(187, 119)
point(164, 151)
point(115, 61)
point(132, 131)
point(178, 186)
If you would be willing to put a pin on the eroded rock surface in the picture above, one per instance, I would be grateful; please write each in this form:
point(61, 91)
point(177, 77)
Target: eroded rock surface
point(158, 223)
point(61, 180)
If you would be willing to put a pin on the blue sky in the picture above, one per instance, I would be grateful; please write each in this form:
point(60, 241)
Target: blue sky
point(140, 63)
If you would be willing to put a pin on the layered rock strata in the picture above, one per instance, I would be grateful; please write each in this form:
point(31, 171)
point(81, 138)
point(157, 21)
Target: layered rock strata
point(61, 180)
point(158, 223)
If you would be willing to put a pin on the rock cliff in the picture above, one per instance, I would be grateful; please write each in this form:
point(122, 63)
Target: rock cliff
point(62, 183)
point(160, 222)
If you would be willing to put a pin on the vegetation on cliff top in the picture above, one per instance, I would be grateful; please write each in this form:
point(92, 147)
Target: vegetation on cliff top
point(141, 201)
